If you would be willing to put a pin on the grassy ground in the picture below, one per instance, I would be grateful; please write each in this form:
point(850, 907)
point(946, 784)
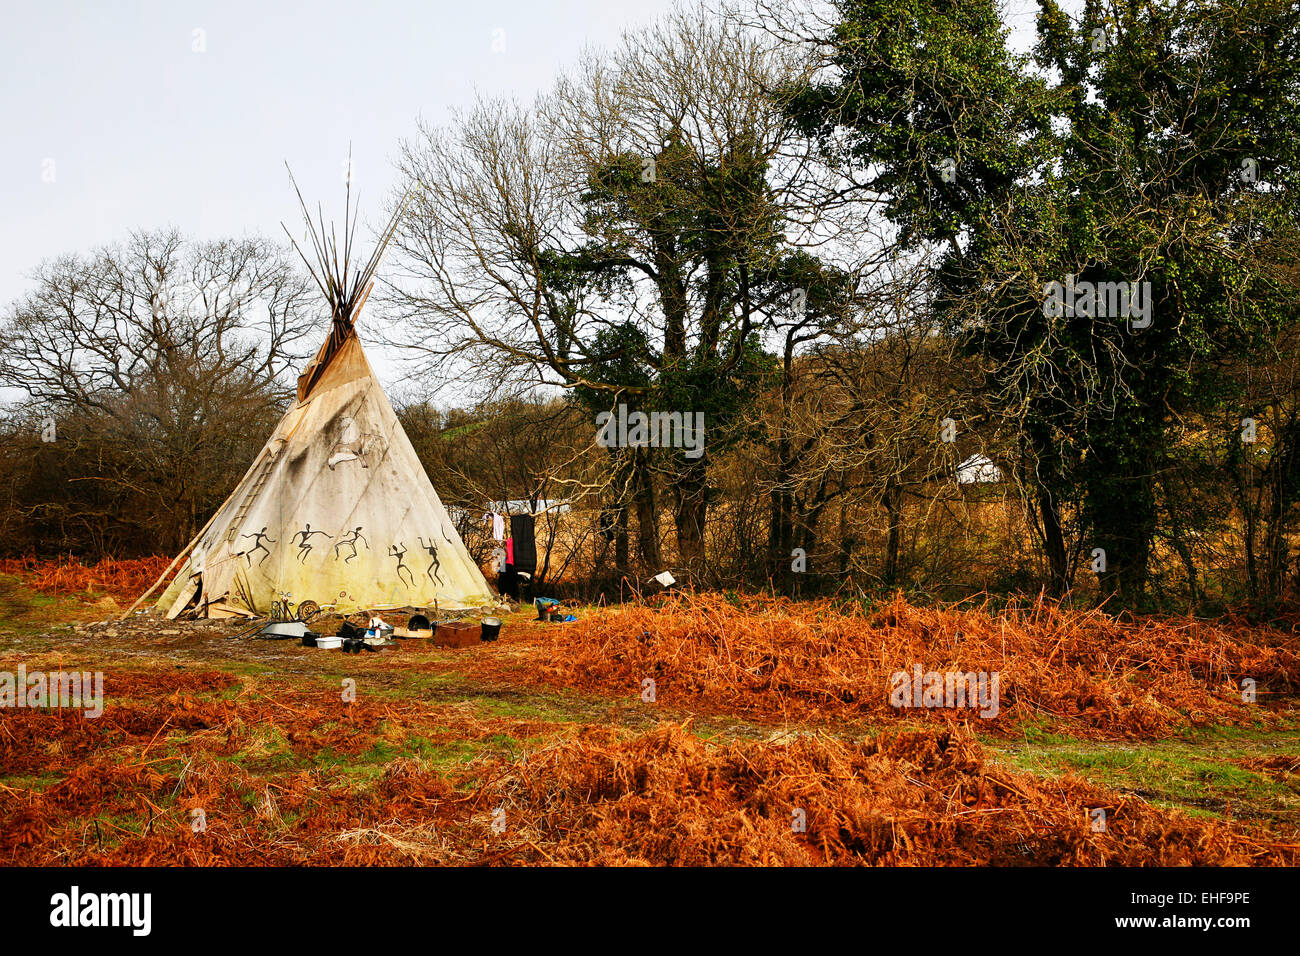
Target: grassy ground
point(1244, 776)
point(257, 737)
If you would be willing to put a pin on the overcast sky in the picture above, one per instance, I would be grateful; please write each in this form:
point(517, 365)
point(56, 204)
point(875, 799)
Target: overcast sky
point(119, 115)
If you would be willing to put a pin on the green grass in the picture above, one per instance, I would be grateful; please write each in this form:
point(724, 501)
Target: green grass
point(439, 757)
point(30, 617)
point(1183, 774)
point(33, 782)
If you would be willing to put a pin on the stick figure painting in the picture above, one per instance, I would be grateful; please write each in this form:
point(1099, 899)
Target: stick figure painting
point(304, 546)
point(409, 580)
point(434, 571)
point(350, 540)
point(257, 546)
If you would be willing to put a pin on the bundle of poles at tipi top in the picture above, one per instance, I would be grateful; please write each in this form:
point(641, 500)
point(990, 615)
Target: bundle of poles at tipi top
point(344, 287)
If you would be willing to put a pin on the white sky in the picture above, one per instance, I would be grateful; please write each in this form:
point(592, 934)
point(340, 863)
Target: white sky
point(143, 132)
point(137, 130)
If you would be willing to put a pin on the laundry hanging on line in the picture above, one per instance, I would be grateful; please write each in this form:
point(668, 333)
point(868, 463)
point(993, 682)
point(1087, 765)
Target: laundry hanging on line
point(523, 553)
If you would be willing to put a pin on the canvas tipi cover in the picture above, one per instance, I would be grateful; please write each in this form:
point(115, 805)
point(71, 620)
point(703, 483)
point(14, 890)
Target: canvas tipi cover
point(336, 508)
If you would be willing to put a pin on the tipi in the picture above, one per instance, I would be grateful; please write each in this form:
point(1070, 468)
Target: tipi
point(336, 509)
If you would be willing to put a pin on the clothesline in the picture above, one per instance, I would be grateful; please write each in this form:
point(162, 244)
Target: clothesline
point(522, 506)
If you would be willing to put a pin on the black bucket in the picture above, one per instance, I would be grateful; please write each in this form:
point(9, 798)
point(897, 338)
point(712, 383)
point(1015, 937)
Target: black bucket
point(490, 628)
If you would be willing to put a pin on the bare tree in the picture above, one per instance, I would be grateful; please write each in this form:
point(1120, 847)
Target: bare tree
point(636, 215)
point(154, 358)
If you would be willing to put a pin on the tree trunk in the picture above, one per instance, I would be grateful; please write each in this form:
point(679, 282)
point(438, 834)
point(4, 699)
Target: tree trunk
point(691, 511)
point(1058, 564)
point(647, 514)
point(780, 538)
point(620, 543)
point(848, 543)
point(1283, 477)
point(892, 501)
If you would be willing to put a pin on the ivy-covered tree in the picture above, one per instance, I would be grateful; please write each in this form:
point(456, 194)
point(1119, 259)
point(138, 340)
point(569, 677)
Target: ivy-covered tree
point(1151, 145)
